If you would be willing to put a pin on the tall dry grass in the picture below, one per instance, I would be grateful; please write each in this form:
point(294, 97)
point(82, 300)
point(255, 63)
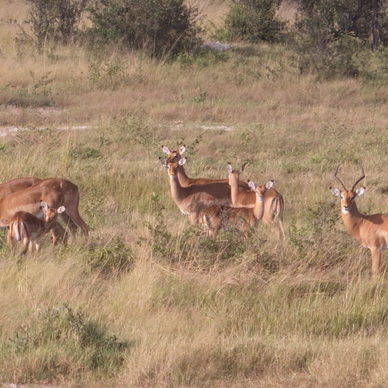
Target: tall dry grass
point(148, 301)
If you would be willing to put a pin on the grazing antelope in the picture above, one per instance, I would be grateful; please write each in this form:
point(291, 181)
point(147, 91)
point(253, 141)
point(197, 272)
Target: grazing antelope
point(57, 192)
point(26, 228)
point(216, 217)
point(272, 205)
point(185, 181)
point(193, 199)
point(370, 230)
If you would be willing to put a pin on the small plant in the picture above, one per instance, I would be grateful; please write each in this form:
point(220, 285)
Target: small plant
point(84, 152)
point(113, 258)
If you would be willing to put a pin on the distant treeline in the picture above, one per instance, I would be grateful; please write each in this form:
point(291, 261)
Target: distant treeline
point(327, 35)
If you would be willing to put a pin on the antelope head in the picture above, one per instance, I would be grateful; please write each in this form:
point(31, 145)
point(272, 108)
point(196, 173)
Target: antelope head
point(348, 196)
point(173, 156)
point(234, 175)
point(50, 212)
point(260, 190)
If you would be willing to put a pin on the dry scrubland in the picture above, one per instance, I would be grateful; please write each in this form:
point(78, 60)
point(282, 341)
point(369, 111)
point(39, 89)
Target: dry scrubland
point(148, 301)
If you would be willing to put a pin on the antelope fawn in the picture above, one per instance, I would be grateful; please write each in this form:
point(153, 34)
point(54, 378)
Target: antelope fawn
point(26, 228)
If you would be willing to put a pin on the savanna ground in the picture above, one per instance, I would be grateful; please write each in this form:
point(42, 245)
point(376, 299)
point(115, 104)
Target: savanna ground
point(149, 301)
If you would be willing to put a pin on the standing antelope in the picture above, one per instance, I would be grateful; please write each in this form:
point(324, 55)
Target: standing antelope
point(216, 217)
point(193, 199)
point(272, 206)
point(56, 192)
point(370, 230)
point(185, 181)
point(26, 228)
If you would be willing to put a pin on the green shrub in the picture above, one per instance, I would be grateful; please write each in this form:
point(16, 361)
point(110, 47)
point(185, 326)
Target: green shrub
point(55, 20)
point(64, 337)
point(254, 21)
point(162, 28)
point(112, 258)
point(329, 35)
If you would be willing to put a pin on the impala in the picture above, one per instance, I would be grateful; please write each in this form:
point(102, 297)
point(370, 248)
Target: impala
point(56, 192)
point(370, 230)
point(185, 181)
point(193, 199)
point(216, 217)
point(272, 205)
point(16, 185)
point(26, 228)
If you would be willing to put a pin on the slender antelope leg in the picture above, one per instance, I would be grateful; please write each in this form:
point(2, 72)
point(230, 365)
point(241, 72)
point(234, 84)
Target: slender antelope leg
point(280, 230)
point(376, 256)
point(58, 234)
point(69, 223)
point(30, 246)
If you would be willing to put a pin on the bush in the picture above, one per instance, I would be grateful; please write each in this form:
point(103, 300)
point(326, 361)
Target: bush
point(55, 20)
point(113, 258)
point(253, 21)
point(66, 344)
point(161, 28)
point(330, 34)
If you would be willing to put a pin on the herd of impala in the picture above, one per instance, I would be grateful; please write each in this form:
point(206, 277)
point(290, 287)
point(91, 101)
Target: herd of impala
point(215, 203)
point(30, 207)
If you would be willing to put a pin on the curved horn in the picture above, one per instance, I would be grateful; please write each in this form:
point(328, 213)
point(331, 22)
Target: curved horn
point(243, 166)
point(359, 179)
point(339, 180)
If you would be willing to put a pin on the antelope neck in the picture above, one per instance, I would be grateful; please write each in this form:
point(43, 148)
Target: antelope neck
point(258, 210)
point(183, 178)
point(177, 191)
point(351, 219)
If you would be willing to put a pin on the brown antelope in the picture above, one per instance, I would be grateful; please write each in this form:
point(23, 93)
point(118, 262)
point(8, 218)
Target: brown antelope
point(185, 181)
point(193, 199)
point(216, 217)
point(56, 192)
point(16, 185)
point(25, 228)
point(272, 206)
point(370, 230)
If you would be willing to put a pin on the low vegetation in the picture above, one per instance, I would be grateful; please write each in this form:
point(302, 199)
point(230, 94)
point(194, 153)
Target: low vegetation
point(149, 300)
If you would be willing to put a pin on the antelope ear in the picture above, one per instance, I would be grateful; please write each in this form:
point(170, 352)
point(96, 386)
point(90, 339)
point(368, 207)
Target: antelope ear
point(229, 168)
point(61, 209)
point(182, 161)
point(335, 191)
point(182, 149)
point(166, 150)
point(43, 205)
point(269, 184)
point(252, 185)
point(163, 162)
point(243, 166)
point(360, 191)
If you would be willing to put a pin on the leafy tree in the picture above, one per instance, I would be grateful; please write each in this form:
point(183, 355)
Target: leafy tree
point(55, 20)
point(160, 27)
point(329, 33)
point(253, 21)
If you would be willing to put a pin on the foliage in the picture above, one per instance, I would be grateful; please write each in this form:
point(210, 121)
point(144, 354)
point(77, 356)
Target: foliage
point(330, 34)
point(112, 258)
point(162, 28)
point(254, 21)
point(55, 20)
point(72, 338)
